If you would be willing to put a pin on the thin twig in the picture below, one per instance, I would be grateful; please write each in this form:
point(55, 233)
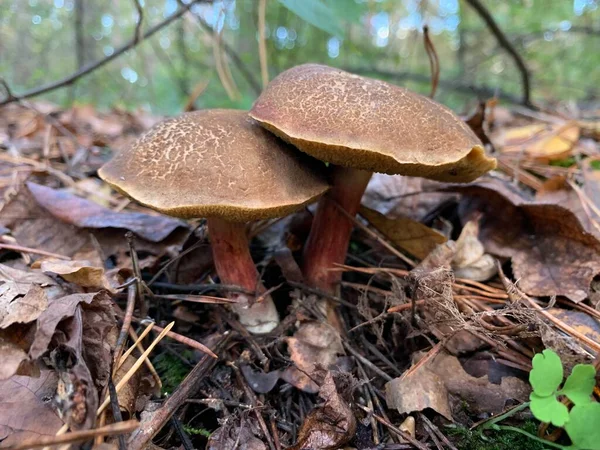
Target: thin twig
point(135, 366)
point(77, 436)
point(33, 251)
point(89, 68)
point(434, 61)
point(131, 294)
point(487, 17)
point(375, 236)
point(186, 389)
point(244, 70)
point(116, 410)
point(394, 429)
point(138, 25)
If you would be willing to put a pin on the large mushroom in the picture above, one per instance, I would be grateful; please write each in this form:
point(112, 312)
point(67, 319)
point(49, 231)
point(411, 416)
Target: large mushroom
point(361, 125)
point(221, 165)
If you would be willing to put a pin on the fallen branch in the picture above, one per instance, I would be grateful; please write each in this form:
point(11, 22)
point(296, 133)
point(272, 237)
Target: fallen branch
point(89, 68)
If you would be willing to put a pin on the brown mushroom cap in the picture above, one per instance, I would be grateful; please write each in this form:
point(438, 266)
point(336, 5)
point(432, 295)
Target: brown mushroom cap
point(369, 124)
point(215, 163)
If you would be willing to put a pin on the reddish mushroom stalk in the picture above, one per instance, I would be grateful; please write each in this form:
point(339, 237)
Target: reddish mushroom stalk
point(234, 265)
point(329, 236)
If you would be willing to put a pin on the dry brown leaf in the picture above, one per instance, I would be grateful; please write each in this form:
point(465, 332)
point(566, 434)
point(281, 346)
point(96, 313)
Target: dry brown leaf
point(35, 227)
point(226, 438)
point(556, 190)
point(419, 390)
point(82, 273)
point(315, 345)
point(480, 394)
point(551, 252)
point(61, 308)
point(414, 237)
point(23, 295)
point(99, 338)
point(86, 214)
point(443, 385)
point(470, 260)
point(580, 321)
point(400, 196)
point(329, 426)
point(541, 141)
point(25, 412)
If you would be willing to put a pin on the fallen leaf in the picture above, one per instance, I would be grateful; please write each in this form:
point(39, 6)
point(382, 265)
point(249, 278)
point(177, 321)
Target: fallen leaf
point(420, 390)
point(329, 426)
point(395, 196)
point(314, 345)
point(259, 381)
point(82, 273)
point(443, 384)
point(541, 140)
point(23, 295)
point(244, 435)
point(86, 214)
point(61, 308)
point(470, 260)
point(414, 237)
point(556, 190)
point(35, 227)
point(25, 412)
point(99, 338)
point(579, 320)
point(551, 252)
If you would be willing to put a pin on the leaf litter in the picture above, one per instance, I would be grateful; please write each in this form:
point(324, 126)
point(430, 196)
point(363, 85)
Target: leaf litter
point(507, 266)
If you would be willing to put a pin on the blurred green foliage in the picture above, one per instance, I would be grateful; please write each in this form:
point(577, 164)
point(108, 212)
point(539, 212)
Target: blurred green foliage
point(39, 43)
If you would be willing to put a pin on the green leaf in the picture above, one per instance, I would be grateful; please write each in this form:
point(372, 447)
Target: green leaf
point(317, 14)
point(547, 373)
point(584, 426)
point(580, 384)
point(348, 10)
point(548, 409)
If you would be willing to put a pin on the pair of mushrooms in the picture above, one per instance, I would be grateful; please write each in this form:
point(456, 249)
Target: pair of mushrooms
point(224, 165)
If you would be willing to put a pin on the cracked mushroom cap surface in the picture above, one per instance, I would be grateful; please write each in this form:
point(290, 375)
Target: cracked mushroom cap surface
point(215, 163)
point(368, 124)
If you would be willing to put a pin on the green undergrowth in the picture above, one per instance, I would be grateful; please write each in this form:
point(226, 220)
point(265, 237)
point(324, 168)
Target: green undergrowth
point(197, 431)
point(465, 439)
point(172, 370)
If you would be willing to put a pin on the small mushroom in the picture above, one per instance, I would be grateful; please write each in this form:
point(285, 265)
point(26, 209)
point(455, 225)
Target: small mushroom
point(221, 165)
point(362, 125)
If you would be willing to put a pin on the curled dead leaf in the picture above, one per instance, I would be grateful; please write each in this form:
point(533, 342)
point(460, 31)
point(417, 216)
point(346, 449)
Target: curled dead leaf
point(329, 426)
point(551, 252)
point(81, 273)
point(314, 345)
point(86, 214)
point(408, 234)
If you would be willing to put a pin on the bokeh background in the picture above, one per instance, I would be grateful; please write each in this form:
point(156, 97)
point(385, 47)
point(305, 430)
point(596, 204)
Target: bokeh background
point(45, 40)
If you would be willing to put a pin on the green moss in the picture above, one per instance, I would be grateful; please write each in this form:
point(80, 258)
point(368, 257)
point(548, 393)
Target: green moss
point(465, 439)
point(172, 370)
point(566, 162)
point(595, 164)
point(197, 431)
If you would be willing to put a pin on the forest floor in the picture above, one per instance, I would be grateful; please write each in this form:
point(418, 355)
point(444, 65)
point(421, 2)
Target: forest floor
point(108, 309)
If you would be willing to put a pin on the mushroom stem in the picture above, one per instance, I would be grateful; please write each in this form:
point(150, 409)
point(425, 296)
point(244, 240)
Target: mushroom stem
point(329, 236)
point(234, 265)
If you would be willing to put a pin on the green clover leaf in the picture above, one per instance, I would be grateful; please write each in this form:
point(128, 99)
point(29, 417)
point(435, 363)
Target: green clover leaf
point(583, 426)
point(548, 409)
point(580, 384)
point(547, 373)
